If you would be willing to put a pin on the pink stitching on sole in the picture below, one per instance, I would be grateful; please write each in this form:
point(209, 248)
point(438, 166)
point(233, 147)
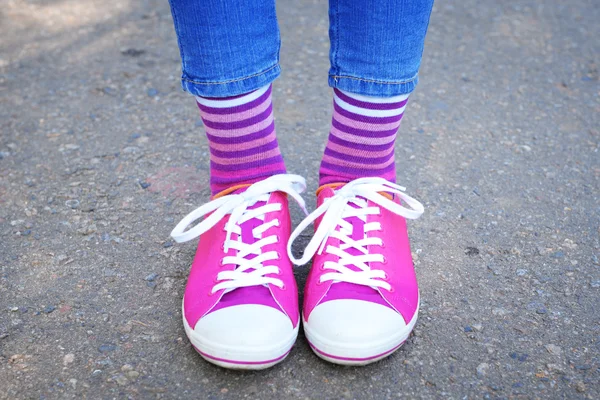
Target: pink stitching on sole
point(354, 359)
point(243, 362)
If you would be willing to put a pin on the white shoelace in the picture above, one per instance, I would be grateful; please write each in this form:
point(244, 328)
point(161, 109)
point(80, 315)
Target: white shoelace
point(249, 272)
point(335, 210)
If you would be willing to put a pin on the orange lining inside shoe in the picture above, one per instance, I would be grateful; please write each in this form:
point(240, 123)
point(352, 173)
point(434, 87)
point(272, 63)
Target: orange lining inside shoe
point(336, 185)
point(230, 190)
point(330, 185)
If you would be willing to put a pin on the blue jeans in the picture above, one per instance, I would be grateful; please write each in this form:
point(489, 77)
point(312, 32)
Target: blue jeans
point(231, 47)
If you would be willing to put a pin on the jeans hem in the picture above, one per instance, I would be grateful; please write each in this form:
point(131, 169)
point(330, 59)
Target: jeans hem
point(372, 87)
point(232, 87)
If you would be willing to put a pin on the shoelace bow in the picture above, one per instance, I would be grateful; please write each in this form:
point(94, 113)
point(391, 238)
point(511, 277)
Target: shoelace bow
point(249, 271)
point(335, 210)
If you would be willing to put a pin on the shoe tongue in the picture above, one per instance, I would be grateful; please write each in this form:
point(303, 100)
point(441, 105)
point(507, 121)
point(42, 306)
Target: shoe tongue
point(345, 290)
point(260, 295)
point(358, 233)
point(248, 226)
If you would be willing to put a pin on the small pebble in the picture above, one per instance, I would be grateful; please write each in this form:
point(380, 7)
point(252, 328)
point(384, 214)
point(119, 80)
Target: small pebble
point(68, 359)
point(144, 185)
point(133, 52)
point(583, 367)
point(558, 254)
point(121, 380)
point(499, 312)
point(554, 349)
point(72, 203)
point(152, 277)
point(541, 310)
point(131, 149)
point(471, 251)
point(482, 369)
point(519, 356)
point(127, 367)
point(152, 92)
point(49, 309)
point(580, 387)
point(133, 374)
point(105, 348)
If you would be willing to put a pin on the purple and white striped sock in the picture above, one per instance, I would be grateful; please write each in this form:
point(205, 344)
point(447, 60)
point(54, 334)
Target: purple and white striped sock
point(242, 140)
point(362, 136)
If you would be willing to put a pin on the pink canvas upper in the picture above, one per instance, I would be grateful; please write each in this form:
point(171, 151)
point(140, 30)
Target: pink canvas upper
point(398, 265)
point(198, 299)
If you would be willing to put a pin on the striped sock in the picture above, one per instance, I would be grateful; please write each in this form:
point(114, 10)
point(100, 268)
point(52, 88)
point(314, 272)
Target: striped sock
point(242, 140)
point(361, 140)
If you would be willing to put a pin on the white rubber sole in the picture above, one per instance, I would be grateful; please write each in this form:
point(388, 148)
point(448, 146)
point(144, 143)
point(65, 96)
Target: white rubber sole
point(359, 353)
point(241, 357)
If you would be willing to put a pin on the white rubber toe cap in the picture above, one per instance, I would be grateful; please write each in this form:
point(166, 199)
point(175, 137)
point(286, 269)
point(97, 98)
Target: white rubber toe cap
point(248, 336)
point(246, 325)
point(355, 321)
point(355, 331)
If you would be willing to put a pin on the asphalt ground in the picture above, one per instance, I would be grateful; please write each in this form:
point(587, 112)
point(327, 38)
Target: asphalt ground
point(101, 154)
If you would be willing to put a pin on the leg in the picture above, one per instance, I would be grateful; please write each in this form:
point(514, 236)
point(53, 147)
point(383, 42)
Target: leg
point(230, 55)
point(361, 298)
point(240, 306)
point(228, 47)
point(375, 57)
point(376, 45)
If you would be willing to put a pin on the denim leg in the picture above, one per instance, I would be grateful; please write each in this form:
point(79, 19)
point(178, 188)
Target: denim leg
point(376, 45)
point(227, 47)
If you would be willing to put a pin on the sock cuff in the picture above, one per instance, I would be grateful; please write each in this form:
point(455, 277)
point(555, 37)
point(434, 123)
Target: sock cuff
point(232, 101)
point(364, 105)
point(374, 99)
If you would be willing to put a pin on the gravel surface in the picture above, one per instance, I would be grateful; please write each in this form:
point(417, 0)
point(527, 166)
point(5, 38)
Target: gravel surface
point(101, 154)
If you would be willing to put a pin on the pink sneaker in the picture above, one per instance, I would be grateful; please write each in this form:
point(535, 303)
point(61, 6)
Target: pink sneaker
point(361, 298)
point(240, 307)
